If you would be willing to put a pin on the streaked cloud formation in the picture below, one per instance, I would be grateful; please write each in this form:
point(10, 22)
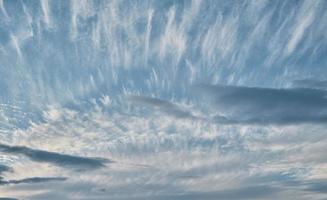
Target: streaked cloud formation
point(163, 99)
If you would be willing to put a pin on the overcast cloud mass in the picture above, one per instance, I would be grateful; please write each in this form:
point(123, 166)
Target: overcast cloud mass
point(157, 100)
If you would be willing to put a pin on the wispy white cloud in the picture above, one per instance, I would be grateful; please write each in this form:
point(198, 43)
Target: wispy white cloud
point(304, 20)
point(46, 13)
point(148, 35)
point(3, 9)
point(16, 46)
point(173, 41)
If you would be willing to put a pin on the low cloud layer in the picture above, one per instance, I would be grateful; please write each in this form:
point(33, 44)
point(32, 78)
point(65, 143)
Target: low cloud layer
point(62, 160)
point(256, 105)
point(32, 180)
point(4, 168)
point(162, 105)
point(310, 83)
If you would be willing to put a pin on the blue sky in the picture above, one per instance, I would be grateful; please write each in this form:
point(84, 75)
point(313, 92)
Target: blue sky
point(163, 99)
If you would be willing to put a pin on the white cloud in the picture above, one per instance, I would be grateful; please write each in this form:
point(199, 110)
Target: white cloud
point(304, 20)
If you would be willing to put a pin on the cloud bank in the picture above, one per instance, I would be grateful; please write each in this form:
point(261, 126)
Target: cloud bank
point(63, 160)
point(257, 105)
point(32, 180)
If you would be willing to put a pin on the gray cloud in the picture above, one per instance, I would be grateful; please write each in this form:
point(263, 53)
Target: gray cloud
point(63, 160)
point(310, 83)
point(164, 106)
point(32, 180)
point(250, 192)
point(4, 168)
point(317, 186)
point(7, 198)
point(238, 104)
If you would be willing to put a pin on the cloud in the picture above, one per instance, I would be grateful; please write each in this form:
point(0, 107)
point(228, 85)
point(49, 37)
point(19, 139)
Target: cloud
point(32, 180)
point(241, 104)
point(63, 160)
point(7, 198)
point(250, 192)
point(162, 105)
point(318, 186)
point(4, 168)
point(303, 22)
point(157, 49)
point(310, 83)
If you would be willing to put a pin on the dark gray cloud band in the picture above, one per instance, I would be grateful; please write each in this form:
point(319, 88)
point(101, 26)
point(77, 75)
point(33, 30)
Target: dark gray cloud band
point(32, 180)
point(310, 83)
point(162, 105)
point(238, 104)
point(63, 160)
point(4, 168)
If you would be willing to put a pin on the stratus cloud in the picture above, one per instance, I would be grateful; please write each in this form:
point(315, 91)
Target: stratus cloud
point(267, 105)
point(310, 83)
point(32, 180)
point(162, 105)
point(250, 192)
point(63, 160)
point(4, 168)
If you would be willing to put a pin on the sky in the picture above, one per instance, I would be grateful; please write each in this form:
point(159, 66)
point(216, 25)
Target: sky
point(157, 100)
